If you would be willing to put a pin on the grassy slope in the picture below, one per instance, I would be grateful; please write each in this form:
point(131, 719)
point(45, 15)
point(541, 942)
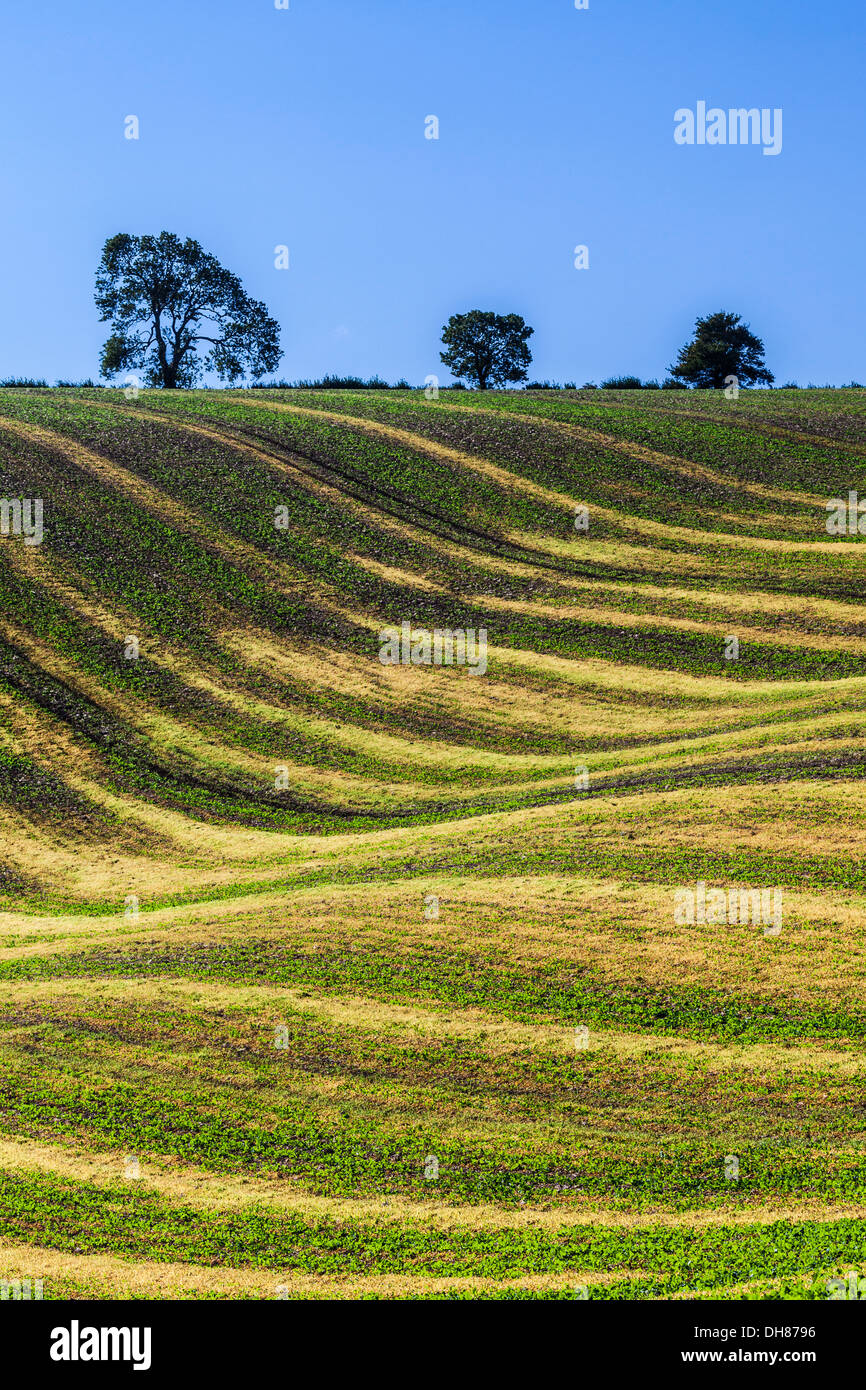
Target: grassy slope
point(167, 914)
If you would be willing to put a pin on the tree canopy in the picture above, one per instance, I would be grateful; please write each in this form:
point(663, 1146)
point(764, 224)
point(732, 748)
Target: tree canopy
point(487, 349)
point(722, 347)
point(165, 298)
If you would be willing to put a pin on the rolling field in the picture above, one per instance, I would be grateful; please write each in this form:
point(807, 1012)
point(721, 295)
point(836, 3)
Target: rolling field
point(327, 978)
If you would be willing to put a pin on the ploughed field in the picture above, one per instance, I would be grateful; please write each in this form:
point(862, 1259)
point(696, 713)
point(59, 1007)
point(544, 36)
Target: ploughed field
point(325, 977)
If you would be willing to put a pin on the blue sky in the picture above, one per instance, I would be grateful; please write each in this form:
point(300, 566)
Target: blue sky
point(305, 127)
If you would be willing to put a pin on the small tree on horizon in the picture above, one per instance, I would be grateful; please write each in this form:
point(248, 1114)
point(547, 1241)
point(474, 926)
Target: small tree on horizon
point(487, 348)
point(723, 346)
point(164, 297)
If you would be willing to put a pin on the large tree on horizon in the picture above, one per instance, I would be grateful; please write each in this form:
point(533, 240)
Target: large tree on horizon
point(487, 348)
point(723, 346)
point(164, 297)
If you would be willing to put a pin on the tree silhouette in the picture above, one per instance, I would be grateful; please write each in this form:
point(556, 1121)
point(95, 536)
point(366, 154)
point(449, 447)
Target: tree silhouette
point(722, 347)
point(165, 297)
point(487, 348)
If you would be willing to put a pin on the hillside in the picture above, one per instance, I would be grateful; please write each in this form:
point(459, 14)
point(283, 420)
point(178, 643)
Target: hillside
point(321, 976)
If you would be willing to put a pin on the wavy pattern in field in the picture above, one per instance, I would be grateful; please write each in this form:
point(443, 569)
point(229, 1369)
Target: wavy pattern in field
point(322, 977)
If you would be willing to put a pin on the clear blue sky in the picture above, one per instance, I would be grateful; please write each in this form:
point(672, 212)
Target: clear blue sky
point(305, 127)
